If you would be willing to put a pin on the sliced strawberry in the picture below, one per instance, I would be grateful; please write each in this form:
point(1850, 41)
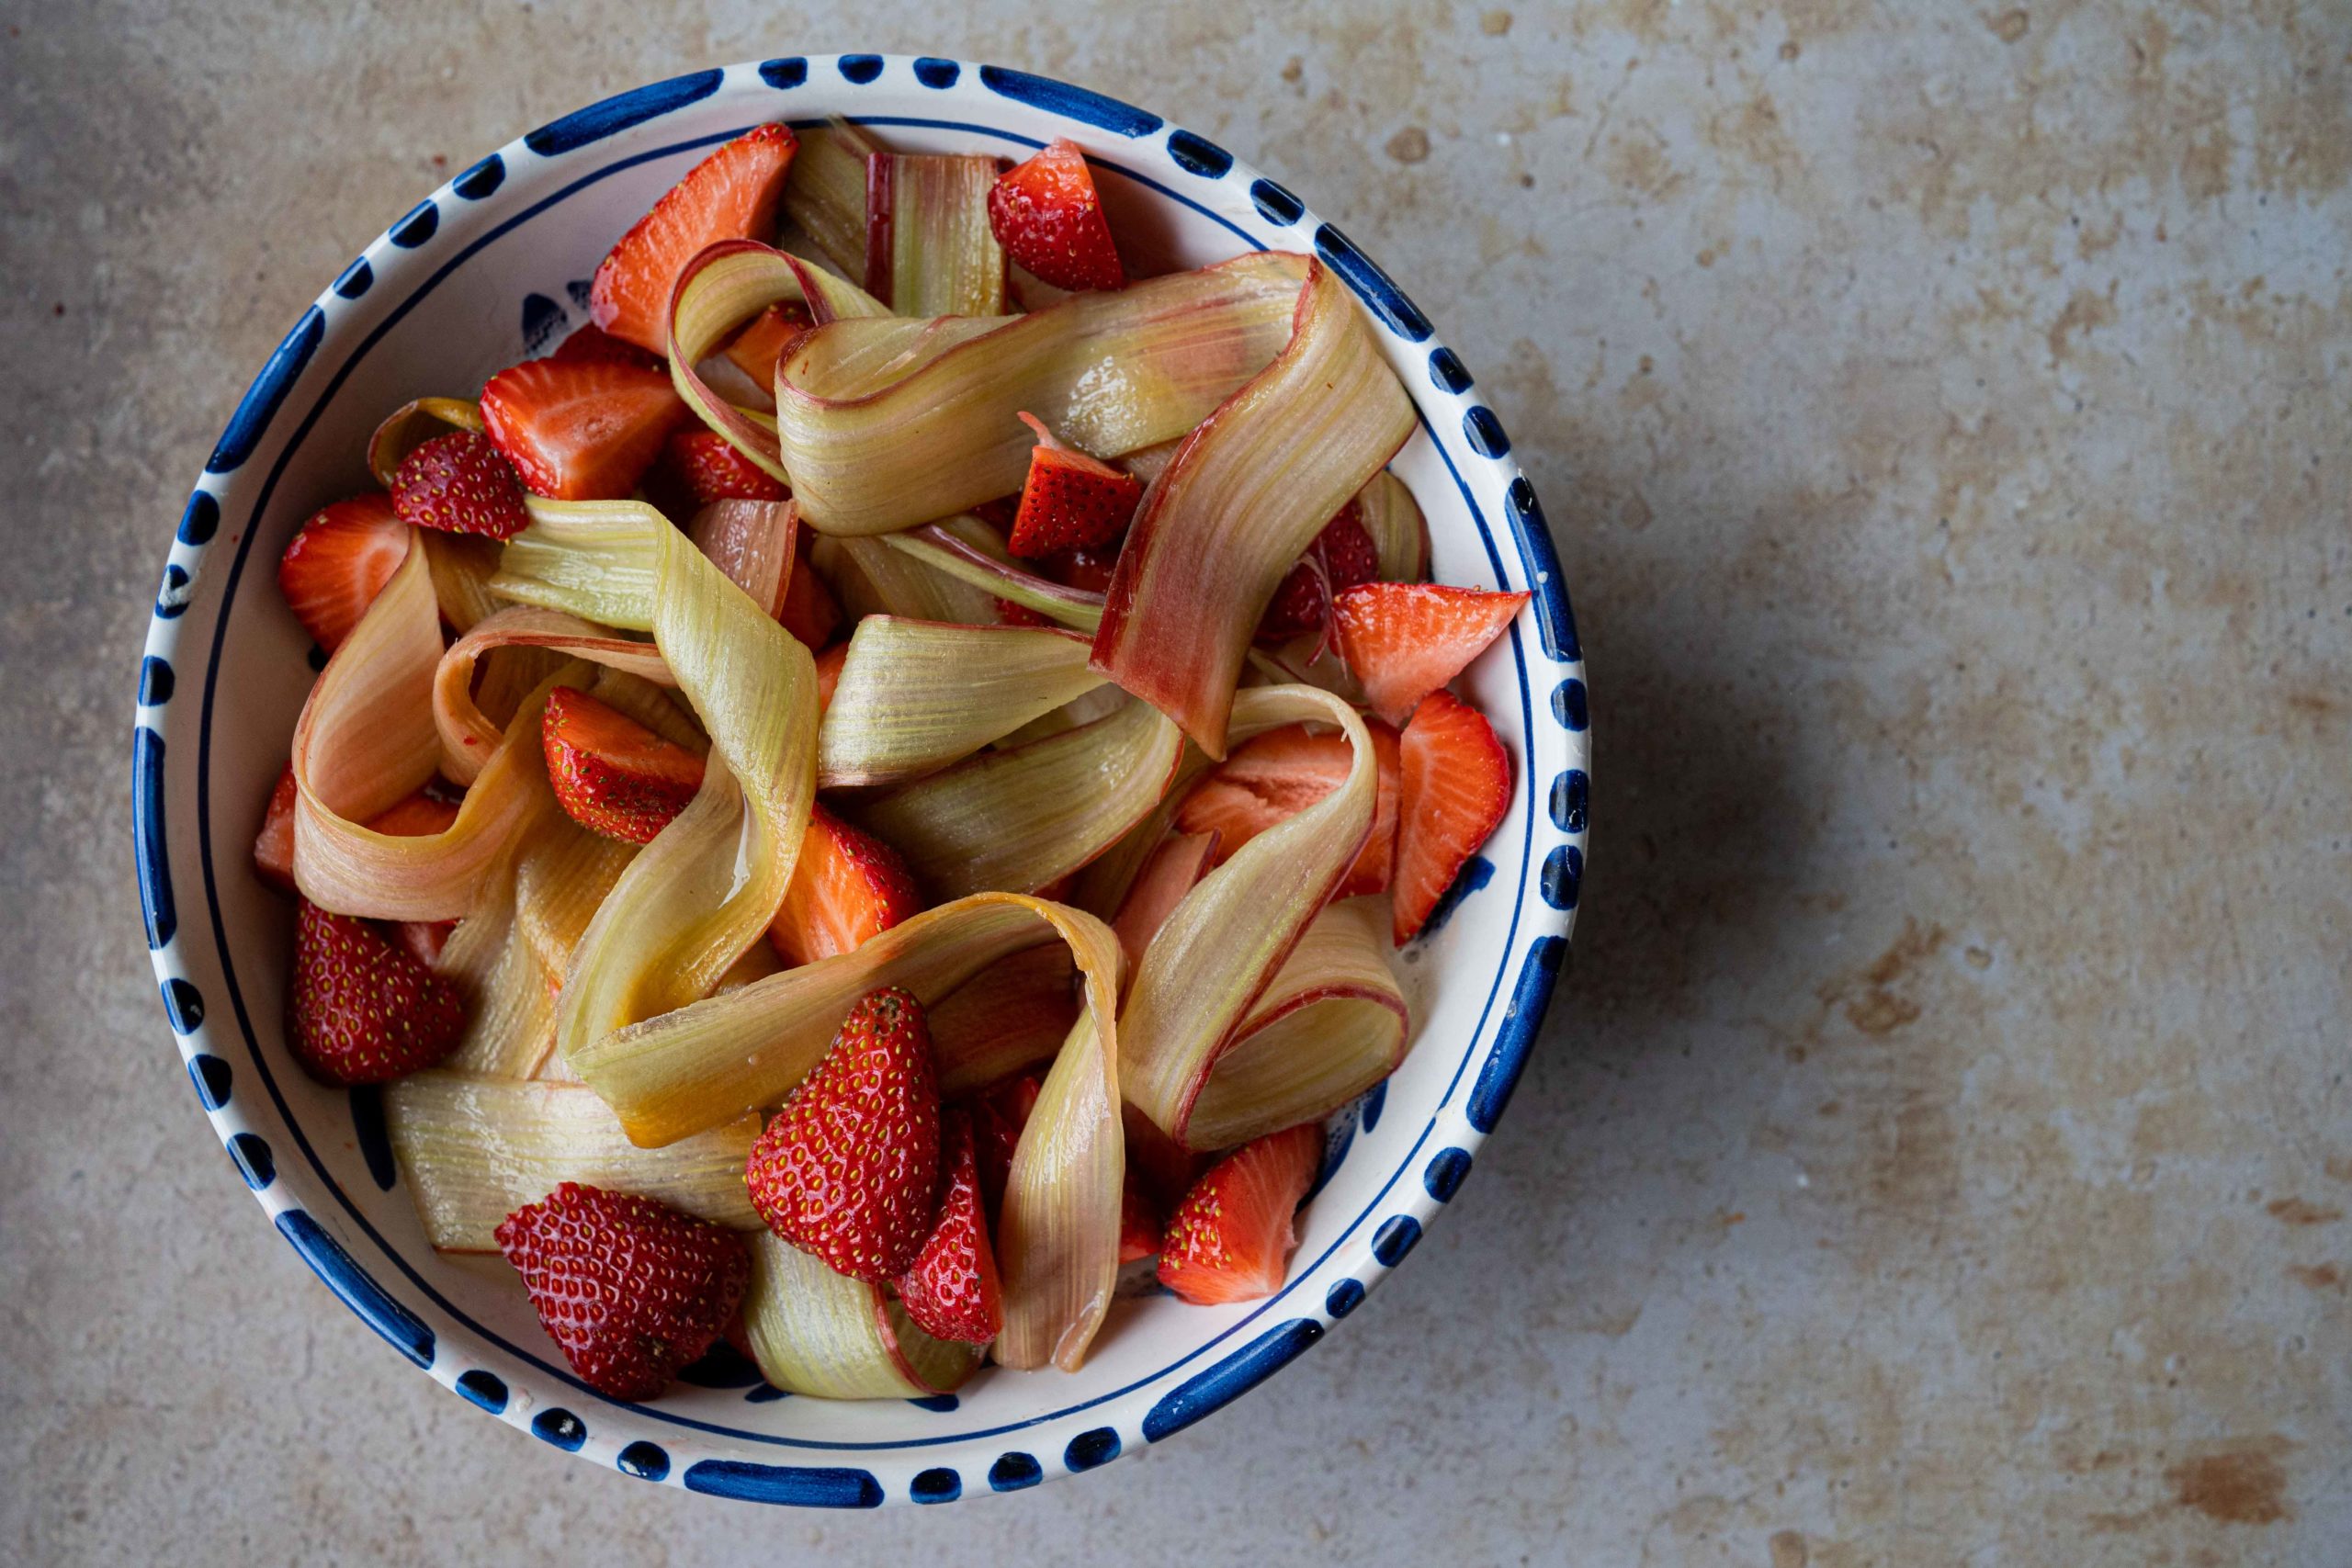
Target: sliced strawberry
point(1342, 555)
point(1275, 775)
point(1071, 499)
point(846, 886)
point(1456, 789)
point(581, 431)
point(731, 195)
point(1048, 217)
point(362, 1010)
point(1138, 1223)
point(705, 465)
point(848, 1169)
point(998, 1112)
point(1403, 641)
point(274, 845)
point(951, 1291)
point(828, 675)
point(339, 562)
point(1229, 1238)
point(613, 776)
point(808, 612)
point(631, 1289)
point(460, 484)
point(591, 344)
point(758, 347)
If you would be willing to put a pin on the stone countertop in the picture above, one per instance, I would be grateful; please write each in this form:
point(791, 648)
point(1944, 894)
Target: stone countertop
point(1941, 1152)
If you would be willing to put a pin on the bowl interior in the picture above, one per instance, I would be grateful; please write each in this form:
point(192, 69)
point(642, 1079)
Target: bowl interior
point(497, 277)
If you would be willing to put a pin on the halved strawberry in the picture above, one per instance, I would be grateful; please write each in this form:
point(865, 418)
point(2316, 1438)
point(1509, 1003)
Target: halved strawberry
point(1048, 217)
point(848, 1169)
point(808, 612)
point(274, 845)
point(1070, 500)
point(1230, 1238)
point(613, 776)
point(704, 464)
point(998, 1112)
point(1138, 1223)
point(1404, 640)
point(731, 195)
point(339, 562)
point(581, 430)
point(951, 1291)
point(591, 344)
point(764, 342)
point(1275, 775)
point(828, 675)
point(460, 484)
point(846, 886)
point(1342, 555)
point(1456, 789)
point(363, 1010)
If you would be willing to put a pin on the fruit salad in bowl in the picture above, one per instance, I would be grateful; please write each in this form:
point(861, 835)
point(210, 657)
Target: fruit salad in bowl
point(871, 812)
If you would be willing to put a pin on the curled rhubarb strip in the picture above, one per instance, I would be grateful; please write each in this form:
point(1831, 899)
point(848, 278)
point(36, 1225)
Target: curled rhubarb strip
point(1111, 372)
point(930, 249)
point(413, 424)
point(1245, 496)
point(826, 191)
point(1218, 950)
point(917, 696)
point(1012, 1014)
point(462, 566)
point(868, 578)
point(753, 542)
point(468, 734)
point(1400, 535)
point(1023, 817)
point(818, 1333)
point(942, 550)
point(475, 1149)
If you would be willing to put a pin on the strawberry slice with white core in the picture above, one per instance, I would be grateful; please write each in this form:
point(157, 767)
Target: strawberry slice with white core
point(580, 429)
point(1404, 640)
point(731, 195)
point(1231, 1236)
point(611, 775)
point(339, 562)
point(1456, 789)
point(1048, 216)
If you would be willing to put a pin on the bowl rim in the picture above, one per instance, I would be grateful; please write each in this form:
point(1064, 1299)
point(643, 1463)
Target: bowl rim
point(1161, 155)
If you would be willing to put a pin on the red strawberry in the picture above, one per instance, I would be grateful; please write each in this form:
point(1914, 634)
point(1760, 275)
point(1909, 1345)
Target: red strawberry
point(731, 195)
point(1138, 1223)
point(1229, 1240)
point(591, 344)
point(848, 1169)
point(998, 1112)
point(1345, 554)
point(808, 612)
point(828, 675)
point(1048, 218)
point(998, 513)
point(704, 464)
point(1071, 499)
point(339, 562)
point(631, 1289)
point(274, 845)
point(580, 431)
point(1404, 640)
point(758, 347)
point(611, 773)
point(460, 484)
point(951, 1291)
point(1011, 615)
point(846, 886)
point(1456, 789)
point(363, 1010)
point(1275, 775)
point(418, 816)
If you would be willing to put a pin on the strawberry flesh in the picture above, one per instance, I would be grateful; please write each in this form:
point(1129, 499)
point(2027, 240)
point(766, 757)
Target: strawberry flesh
point(847, 886)
point(274, 845)
point(611, 775)
point(848, 1170)
point(952, 1291)
point(731, 195)
point(1048, 217)
point(364, 1011)
point(458, 484)
point(771, 334)
point(808, 612)
point(631, 1289)
point(1229, 1238)
point(580, 429)
point(1456, 788)
point(1138, 1223)
point(1404, 640)
point(828, 675)
point(1342, 556)
point(1274, 776)
point(1070, 501)
point(591, 344)
point(339, 562)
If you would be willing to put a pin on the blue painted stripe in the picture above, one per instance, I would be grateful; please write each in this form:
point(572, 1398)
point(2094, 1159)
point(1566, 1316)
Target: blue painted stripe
point(201, 520)
point(482, 179)
point(1476, 873)
point(1276, 204)
point(212, 1080)
point(267, 394)
point(156, 682)
point(1515, 1037)
point(424, 220)
point(1198, 155)
point(403, 1327)
point(1207, 1392)
point(561, 1428)
point(1098, 1446)
point(254, 1161)
point(860, 69)
point(1016, 1472)
point(1396, 1237)
point(1071, 103)
point(620, 111)
point(797, 1485)
point(1555, 623)
point(184, 1005)
point(147, 813)
point(932, 71)
point(1562, 882)
point(647, 1461)
point(485, 1389)
point(356, 279)
point(1343, 1297)
point(791, 70)
point(1374, 287)
point(937, 1485)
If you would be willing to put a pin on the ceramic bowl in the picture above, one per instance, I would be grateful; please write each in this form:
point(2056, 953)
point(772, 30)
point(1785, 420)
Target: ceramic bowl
point(493, 267)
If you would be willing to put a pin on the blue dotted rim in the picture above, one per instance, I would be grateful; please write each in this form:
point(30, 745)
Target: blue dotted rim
point(1547, 908)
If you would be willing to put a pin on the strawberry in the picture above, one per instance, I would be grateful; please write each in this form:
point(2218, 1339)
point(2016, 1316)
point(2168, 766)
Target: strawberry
point(1071, 499)
point(1346, 555)
point(339, 562)
point(731, 195)
point(578, 430)
point(848, 1169)
point(611, 773)
point(1138, 1223)
point(1083, 568)
point(998, 1112)
point(760, 345)
point(1456, 789)
point(1011, 615)
point(998, 513)
point(274, 845)
point(828, 675)
point(591, 344)
point(703, 463)
point(846, 886)
point(1229, 1239)
point(808, 612)
point(1048, 217)
point(418, 816)
point(1274, 776)
point(460, 484)
point(423, 940)
point(631, 1289)
point(1404, 640)
point(951, 1291)
point(363, 1010)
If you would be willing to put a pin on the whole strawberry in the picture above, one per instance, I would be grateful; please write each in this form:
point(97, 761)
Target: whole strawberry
point(848, 1168)
point(363, 1010)
point(631, 1289)
point(951, 1291)
point(460, 484)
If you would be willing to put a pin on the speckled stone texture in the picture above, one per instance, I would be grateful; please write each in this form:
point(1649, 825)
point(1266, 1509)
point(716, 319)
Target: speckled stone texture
point(1942, 1151)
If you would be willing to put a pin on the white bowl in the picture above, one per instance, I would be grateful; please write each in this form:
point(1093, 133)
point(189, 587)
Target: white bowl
point(491, 268)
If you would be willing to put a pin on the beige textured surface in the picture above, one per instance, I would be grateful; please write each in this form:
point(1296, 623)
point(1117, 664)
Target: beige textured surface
point(1942, 1151)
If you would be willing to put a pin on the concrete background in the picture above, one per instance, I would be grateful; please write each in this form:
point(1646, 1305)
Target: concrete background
point(1942, 1149)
